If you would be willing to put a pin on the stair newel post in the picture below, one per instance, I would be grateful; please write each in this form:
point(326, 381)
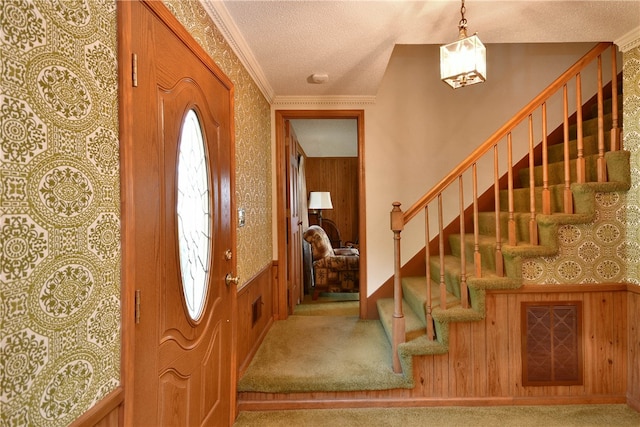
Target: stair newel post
point(615, 131)
point(398, 325)
point(533, 225)
point(602, 165)
point(464, 297)
point(443, 285)
point(512, 220)
point(429, 304)
point(580, 162)
point(496, 194)
point(546, 194)
point(567, 195)
point(477, 259)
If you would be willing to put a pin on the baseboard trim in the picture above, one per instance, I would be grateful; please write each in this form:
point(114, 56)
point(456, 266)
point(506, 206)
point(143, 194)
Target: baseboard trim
point(272, 405)
point(245, 365)
point(634, 403)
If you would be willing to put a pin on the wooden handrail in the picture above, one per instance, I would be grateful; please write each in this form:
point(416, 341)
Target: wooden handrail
point(470, 165)
point(504, 130)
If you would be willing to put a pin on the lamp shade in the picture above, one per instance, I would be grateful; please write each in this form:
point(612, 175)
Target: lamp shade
point(320, 200)
point(463, 62)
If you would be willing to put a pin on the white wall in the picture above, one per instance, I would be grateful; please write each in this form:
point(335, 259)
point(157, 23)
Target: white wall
point(419, 129)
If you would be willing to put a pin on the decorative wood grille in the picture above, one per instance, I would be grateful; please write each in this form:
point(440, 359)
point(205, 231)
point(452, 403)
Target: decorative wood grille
point(551, 343)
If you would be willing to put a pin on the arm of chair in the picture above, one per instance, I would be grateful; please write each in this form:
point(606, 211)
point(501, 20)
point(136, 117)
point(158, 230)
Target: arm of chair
point(339, 262)
point(346, 251)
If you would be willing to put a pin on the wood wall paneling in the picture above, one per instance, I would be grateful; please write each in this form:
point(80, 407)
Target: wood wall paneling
point(484, 364)
point(251, 334)
point(633, 354)
point(106, 413)
point(338, 175)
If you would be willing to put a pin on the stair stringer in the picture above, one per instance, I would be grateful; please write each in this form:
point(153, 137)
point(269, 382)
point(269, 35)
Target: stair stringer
point(584, 196)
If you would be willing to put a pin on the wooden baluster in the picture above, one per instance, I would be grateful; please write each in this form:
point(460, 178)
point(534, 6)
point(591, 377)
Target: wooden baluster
point(546, 194)
point(602, 165)
point(477, 258)
point(568, 195)
point(512, 220)
point(496, 194)
point(443, 285)
point(615, 131)
point(464, 297)
point(533, 225)
point(398, 322)
point(429, 303)
point(580, 162)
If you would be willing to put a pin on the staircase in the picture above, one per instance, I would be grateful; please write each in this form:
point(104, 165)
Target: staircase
point(555, 184)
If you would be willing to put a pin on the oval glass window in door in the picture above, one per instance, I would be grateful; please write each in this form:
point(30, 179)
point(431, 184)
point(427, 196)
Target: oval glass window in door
point(193, 215)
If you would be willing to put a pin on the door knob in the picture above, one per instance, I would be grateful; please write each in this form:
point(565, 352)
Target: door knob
point(229, 279)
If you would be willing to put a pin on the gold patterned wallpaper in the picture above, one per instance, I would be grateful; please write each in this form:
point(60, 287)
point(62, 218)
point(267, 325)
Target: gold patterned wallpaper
point(608, 248)
point(596, 252)
point(253, 140)
point(631, 142)
point(60, 200)
point(59, 209)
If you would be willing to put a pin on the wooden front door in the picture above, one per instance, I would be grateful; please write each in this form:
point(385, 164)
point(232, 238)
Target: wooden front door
point(178, 234)
point(295, 279)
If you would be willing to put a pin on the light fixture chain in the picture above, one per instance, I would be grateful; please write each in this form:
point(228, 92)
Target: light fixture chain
point(463, 22)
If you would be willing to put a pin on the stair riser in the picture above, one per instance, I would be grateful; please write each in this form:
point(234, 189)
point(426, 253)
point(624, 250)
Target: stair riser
point(556, 172)
point(521, 197)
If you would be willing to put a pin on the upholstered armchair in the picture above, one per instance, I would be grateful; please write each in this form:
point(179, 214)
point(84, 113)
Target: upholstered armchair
point(334, 270)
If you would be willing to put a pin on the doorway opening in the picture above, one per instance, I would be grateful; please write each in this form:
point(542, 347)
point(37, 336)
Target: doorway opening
point(290, 261)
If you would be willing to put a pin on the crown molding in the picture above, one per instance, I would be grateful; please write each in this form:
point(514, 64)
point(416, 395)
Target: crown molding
point(629, 41)
point(324, 100)
point(227, 26)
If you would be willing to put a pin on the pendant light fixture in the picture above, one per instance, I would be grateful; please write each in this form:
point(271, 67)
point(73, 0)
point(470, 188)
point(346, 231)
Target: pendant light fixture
point(464, 62)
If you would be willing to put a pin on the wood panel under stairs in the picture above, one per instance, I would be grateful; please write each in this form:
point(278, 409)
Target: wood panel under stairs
point(415, 288)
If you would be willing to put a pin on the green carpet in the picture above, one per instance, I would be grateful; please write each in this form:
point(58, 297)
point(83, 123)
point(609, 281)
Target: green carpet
point(328, 307)
point(294, 354)
point(521, 416)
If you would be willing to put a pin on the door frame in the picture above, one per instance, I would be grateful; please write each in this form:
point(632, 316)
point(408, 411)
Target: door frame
point(128, 173)
point(281, 193)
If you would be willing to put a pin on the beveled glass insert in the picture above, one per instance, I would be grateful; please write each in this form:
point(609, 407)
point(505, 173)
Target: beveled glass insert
point(193, 215)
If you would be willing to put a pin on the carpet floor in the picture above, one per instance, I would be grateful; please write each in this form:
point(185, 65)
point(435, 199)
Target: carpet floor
point(520, 416)
point(294, 354)
point(328, 308)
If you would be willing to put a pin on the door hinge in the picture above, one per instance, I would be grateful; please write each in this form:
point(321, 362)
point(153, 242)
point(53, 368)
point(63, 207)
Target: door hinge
point(134, 69)
point(137, 306)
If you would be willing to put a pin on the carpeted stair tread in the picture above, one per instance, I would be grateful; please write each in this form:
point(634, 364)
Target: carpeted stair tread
point(555, 152)
point(359, 351)
point(522, 197)
point(547, 226)
point(555, 172)
point(486, 249)
point(414, 327)
point(456, 314)
point(414, 290)
point(590, 124)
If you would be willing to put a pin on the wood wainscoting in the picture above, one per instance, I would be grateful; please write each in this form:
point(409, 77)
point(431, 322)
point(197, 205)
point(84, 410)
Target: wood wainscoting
point(255, 315)
point(484, 363)
point(339, 176)
point(106, 413)
point(633, 331)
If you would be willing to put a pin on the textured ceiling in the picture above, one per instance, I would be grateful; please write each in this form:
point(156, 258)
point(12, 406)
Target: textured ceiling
point(283, 43)
point(327, 137)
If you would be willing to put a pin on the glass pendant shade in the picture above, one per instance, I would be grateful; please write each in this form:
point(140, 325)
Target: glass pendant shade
point(463, 62)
